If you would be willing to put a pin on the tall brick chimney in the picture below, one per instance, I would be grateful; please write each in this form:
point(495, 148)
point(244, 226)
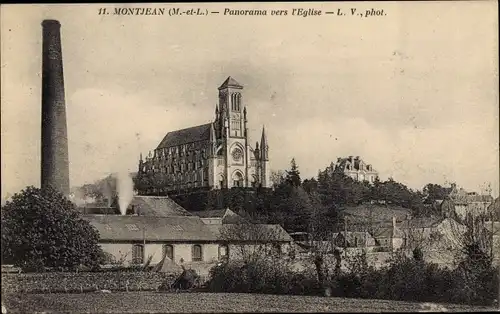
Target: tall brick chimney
point(55, 165)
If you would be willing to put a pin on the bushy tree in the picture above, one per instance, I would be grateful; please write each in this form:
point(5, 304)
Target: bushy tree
point(435, 192)
point(41, 228)
point(293, 175)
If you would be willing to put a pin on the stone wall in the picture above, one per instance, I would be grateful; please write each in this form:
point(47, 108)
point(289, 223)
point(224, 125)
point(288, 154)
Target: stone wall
point(51, 282)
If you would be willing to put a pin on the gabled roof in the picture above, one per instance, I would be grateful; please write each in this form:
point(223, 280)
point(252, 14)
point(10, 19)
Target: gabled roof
point(231, 217)
point(215, 213)
point(227, 216)
point(185, 136)
point(230, 82)
point(157, 206)
point(256, 232)
point(140, 228)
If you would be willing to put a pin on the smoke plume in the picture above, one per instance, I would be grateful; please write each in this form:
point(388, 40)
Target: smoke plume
point(125, 187)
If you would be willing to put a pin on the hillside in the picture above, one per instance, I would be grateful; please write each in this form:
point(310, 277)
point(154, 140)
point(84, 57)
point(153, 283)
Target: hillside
point(375, 213)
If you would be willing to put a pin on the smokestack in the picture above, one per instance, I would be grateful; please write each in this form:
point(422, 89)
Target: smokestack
point(55, 165)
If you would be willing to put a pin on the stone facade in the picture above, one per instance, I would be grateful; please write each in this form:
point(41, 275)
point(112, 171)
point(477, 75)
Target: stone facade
point(355, 168)
point(216, 155)
point(182, 253)
point(465, 203)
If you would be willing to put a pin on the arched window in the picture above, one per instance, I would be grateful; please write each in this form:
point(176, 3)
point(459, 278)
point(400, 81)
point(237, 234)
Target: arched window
point(197, 254)
point(168, 251)
point(138, 254)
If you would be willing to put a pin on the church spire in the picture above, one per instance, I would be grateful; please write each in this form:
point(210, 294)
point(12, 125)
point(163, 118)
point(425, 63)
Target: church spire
point(212, 133)
point(213, 140)
point(263, 145)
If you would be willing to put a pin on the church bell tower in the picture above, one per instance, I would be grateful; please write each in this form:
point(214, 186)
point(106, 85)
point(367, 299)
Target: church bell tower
point(232, 117)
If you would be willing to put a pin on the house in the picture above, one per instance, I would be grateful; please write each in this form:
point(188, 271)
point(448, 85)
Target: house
point(157, 228)
point(353, 239)
point(422, 226)
point(493, 228)
point(389, 237)
point(355, 168)
point(465, 203)
point(240, 239)
point(130, 240)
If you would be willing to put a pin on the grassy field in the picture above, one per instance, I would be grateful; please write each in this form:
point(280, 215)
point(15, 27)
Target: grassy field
point(158, 302)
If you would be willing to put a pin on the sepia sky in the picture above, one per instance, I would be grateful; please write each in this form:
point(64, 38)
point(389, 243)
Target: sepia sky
point(414, 93)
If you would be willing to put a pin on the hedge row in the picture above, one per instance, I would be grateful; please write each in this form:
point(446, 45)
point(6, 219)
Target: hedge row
point(404, 279)
point(85, 281)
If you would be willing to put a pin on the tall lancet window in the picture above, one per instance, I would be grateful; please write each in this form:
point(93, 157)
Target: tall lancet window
point(238, 102)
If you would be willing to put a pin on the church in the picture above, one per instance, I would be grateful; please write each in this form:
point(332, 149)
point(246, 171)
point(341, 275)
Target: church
point(213, 156)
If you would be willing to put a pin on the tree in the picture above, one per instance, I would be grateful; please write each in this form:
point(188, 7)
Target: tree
point(435, 192)
point(293, 175)
point(291, 207)
point(310, 185)
point(277, 177)
point(41, 228)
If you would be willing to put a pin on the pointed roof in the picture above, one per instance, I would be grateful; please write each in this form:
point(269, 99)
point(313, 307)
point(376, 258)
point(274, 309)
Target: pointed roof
point(264, 137)
point(156, 206)
point(230, 82)
point(185, 136)
point(212, 133)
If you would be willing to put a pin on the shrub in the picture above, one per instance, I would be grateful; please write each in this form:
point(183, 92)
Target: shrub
point(404, 279)
point(41, 228)
point(260, 277)
point(418, 255)
point(414, 280)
